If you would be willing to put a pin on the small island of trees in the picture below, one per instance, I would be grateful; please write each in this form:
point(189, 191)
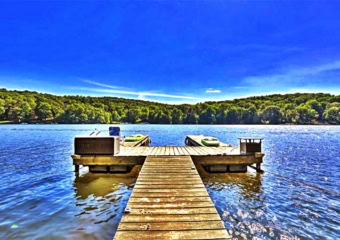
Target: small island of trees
point(299, 108)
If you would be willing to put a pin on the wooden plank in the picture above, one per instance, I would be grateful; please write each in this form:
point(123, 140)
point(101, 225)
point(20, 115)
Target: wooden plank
point(169, 205)
point(197, 149)
point(147, 151)
point(170, 200)
point(179, 151)
point(169, 174)
point(172, 167)
point(167, 186)
point(194, 151)
point(173, 235)
point(169, 166)
point(204, 225)
point(158, 151)
point(176, 151)
point(171, 217)
point(153, 151)
point(169, 194)
point(144, 151)
point(173, 176)
point(186, 151)
point(141, 151)
point(211, 151)
point(171, 182)
point(173, 170)
point(187, 190)
point(167, 151)
point(172, 211)
point(171, 151)
point(189, 150)
point(164, 160)
point(163, 164)
point(125, 150)
point(202, 150)
point(217, 151)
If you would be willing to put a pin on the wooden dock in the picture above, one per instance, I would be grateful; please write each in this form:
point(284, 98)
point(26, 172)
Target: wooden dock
point(169, 201)
point(205, 156)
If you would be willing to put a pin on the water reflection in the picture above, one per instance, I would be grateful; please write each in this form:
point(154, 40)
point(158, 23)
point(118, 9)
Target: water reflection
point(99, 185)
point(244, 207)
point(248, 184)
point(238, 198)
point(100, 200)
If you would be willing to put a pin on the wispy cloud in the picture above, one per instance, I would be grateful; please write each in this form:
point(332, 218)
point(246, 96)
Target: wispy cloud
point(295, 77)
point(121, 90)
point(101, 84)
point(210, 90)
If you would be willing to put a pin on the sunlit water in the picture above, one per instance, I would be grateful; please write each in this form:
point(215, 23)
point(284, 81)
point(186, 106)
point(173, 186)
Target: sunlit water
point(298, 196)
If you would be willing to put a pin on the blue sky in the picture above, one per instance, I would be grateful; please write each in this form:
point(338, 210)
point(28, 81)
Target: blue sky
point(170, 51)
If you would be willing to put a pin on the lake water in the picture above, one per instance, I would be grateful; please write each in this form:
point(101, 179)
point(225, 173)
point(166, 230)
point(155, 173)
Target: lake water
point(298, 196)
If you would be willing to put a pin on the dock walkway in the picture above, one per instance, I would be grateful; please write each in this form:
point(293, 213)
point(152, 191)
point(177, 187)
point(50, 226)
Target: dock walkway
point(169, 201)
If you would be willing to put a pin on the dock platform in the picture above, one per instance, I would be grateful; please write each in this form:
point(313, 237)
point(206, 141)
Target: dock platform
point(170, 201)
point(205, 156)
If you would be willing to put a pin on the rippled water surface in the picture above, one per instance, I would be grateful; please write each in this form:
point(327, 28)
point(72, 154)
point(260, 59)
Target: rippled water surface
point(298, 196)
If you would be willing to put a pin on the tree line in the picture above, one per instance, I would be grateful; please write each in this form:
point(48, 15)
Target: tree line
point(299, 108)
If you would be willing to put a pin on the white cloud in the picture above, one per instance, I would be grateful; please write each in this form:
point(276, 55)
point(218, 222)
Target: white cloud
point(100, 84)
point(139, 94)
point(210, 90)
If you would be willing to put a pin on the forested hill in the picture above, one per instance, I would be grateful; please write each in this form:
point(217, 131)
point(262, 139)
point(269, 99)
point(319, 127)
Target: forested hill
point(33, 107)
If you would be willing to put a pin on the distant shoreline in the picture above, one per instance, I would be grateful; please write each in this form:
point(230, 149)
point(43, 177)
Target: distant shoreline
point(233, 124)
point(287, 109)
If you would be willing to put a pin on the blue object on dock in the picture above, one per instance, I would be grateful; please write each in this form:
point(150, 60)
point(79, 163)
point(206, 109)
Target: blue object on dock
point(114, 131)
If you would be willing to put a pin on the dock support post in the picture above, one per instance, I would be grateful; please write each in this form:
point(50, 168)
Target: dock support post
point(76, 168)
point(258, 167)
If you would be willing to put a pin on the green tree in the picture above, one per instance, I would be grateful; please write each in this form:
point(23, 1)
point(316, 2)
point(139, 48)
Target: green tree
point(207, 116)
point(314, 104)
point(44, 111)
point(272, 115)
point(220, 116)
point(232, 115)
point(144, 114)
point(163, 118)
point(306, 114)
point(250, 115)
point(57, 111)
point(191, 118)
point(133, 115)
point(115, 116)
point(177, 116)
point(291, 116)
point(332, 115)
point(2, 106)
